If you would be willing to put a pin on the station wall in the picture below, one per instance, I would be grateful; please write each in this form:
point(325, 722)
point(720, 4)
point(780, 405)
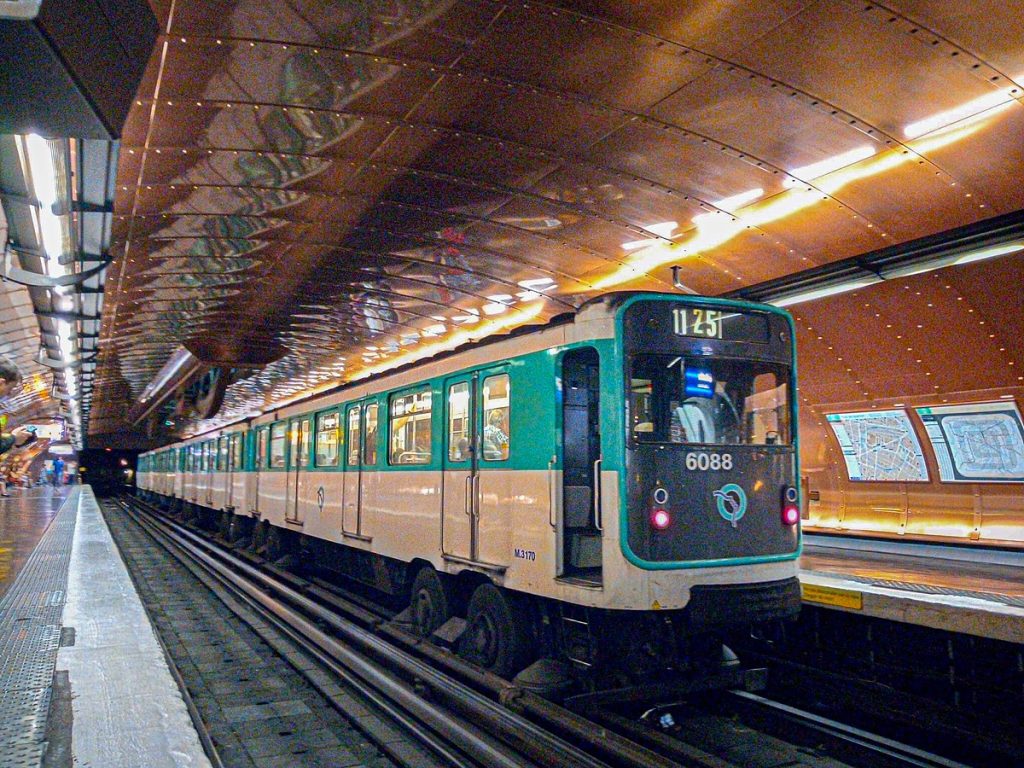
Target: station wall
point(947, 337)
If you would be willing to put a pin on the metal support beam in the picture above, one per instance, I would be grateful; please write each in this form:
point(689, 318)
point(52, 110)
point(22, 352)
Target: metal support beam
point(35, 280)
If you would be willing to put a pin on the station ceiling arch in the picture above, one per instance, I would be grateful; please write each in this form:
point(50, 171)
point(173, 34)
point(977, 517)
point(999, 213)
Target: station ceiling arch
point(311, 192)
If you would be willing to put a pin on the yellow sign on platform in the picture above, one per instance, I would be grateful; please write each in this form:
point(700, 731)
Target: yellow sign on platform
point(840, 598)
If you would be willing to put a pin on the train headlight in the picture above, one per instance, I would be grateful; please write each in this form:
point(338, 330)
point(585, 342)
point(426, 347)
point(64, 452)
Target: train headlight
point(790, 508)
point(660, 519)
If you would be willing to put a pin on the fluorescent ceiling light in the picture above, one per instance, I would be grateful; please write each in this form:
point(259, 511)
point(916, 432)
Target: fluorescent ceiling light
point(806, 173)
point(916, 268)
point(956, 114)
point(828, 290)
point(662, 229)
point(733, 202)
point(989, 253)
point(181, 358)
point(41, 170)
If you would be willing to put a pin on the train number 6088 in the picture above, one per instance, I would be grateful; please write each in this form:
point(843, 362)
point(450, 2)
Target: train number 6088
point(705, 461)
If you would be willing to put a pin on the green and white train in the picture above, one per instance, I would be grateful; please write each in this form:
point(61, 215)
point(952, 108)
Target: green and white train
point(615, 489)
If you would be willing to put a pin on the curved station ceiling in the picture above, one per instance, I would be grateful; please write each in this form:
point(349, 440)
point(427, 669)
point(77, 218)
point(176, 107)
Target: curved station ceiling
point(312, 192)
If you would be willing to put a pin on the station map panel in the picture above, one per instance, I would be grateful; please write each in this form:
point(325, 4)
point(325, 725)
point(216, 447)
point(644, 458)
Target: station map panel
point(879, 446)
point(976, 443)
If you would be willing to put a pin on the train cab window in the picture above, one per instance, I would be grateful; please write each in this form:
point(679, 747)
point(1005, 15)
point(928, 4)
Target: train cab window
point(278, 439)
point(328, 436)
point(354, 430)
point(459, 445)
point(370, 447)
point(708, 401)
point(496, 435)
point(410, 428)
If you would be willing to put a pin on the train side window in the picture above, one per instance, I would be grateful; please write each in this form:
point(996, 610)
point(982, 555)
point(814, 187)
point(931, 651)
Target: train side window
point(370, 447)
point(459, 447)
point(261, 449)
point(302, 460)
point(410, 428)
point(222, 453)
point(497, 435)
point(278, 440)
point(328, 436)
point(239, 450)
point(354, 431)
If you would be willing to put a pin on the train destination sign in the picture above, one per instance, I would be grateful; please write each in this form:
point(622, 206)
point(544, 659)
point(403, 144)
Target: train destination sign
point(976, 443)
point(697, 322)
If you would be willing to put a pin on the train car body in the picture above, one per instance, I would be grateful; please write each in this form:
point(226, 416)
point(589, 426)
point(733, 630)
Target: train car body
point(638, 459)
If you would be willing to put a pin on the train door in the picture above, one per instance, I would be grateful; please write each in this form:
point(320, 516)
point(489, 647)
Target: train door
point(181, 462)
point(496, 482)
point(581, 523)
point(298, 461)
point(461, 467)
point(211, 469)
point(259, 466)
point(361, 456)
point(223, 475)
point(231, 448)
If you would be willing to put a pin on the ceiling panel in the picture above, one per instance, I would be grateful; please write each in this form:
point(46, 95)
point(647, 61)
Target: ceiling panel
point(317, 179)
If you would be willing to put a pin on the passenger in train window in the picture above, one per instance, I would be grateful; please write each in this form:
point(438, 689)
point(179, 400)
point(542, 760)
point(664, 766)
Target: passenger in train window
point(496, 436)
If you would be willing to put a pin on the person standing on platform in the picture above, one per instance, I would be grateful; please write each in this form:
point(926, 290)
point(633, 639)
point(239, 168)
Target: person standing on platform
point(58, 472)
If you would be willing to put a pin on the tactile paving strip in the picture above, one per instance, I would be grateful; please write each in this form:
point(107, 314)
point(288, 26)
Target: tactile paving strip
point(928, 589)
point(30, 615)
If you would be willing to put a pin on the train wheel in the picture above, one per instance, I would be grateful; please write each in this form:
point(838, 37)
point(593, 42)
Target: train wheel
point(259, 536)
point(430, 601)
point(239, 529)
point(493, 639)
point(276, 545)
point(224, 524)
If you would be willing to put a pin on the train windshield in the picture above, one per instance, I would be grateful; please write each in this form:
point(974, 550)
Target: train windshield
point(709, 401)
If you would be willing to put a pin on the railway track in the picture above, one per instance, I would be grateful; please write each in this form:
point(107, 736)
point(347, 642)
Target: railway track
point(465, 716)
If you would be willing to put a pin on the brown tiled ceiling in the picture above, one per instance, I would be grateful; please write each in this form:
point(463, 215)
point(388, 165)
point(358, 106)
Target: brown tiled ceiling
point(337, 187)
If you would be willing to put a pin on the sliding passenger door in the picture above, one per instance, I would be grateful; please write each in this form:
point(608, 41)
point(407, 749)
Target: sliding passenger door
point(298, 461)
point(259, 467)
point(581, 522)
point(360, 458)
point(210, 469)
point(459, 505)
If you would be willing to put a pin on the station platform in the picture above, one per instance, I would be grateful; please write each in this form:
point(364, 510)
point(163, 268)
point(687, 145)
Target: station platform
point(966, 590)
point(83, 678)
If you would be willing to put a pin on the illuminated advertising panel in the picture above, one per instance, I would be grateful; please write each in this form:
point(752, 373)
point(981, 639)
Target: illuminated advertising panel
point(976, 443)
point(54, 431)
point(879, 446)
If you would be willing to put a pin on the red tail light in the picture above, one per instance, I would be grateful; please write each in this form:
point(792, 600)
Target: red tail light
point(660, 519)
point(790, 509)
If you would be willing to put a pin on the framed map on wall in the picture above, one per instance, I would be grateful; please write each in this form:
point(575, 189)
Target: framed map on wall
point(976, 443)
point(879, 446)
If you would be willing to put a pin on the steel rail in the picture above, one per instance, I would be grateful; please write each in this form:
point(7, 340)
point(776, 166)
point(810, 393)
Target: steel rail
point(873, 749)
point(523, 736)
point(609, 744)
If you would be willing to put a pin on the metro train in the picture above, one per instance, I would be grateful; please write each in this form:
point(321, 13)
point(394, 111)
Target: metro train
point(614, 489)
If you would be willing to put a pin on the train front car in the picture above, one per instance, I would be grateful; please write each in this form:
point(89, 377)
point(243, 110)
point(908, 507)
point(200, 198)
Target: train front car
point(710, 495)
